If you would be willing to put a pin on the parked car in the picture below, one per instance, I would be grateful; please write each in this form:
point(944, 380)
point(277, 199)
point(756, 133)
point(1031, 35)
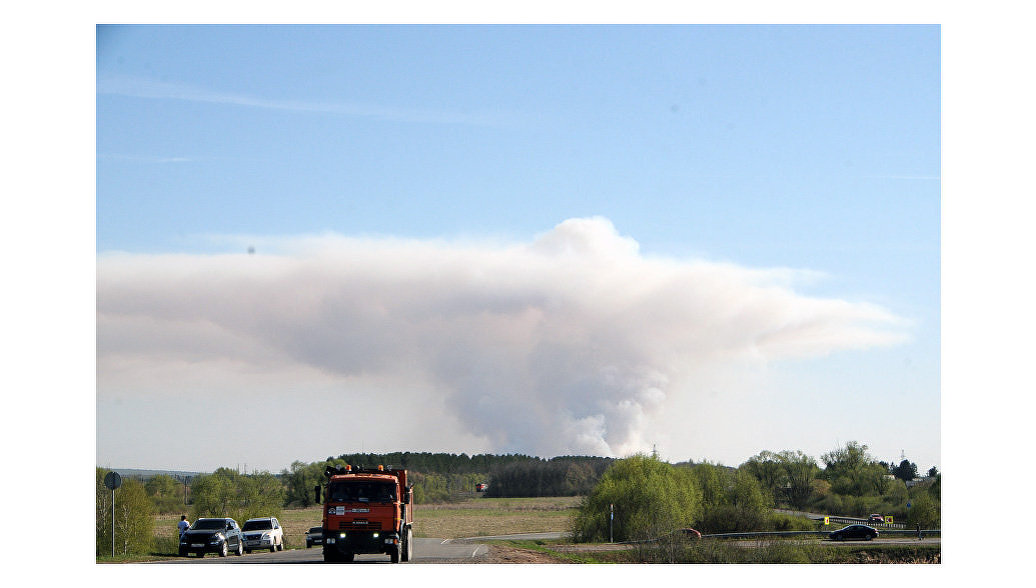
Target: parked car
point(263, 533)
point(218, 535)
point(854, 532)
point(314, 536)
point(691, 533)
point(875, 518)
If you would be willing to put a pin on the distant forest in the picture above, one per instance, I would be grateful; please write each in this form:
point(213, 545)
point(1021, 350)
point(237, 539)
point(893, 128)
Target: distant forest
point(439, 475)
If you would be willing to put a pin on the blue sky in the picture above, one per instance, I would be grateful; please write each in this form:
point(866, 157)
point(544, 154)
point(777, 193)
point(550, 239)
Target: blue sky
point(796, 167)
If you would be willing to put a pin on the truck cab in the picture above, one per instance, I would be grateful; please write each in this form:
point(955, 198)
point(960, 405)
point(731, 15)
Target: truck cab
point(367, 510)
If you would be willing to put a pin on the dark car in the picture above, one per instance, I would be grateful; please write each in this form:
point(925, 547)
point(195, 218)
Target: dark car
point(314, 536)
point(854, 532)
point(220, 535)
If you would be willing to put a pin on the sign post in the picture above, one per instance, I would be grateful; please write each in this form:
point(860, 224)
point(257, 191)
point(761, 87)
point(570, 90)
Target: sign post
point(611, 518)
point(113, 480)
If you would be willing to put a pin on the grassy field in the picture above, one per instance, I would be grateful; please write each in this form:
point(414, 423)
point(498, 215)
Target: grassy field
point(495, 516)
point(469, 518)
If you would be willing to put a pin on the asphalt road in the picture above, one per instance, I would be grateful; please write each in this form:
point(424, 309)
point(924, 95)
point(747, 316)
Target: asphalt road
point(425, 551)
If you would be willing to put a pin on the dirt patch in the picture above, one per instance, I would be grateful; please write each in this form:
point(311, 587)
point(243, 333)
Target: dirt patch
point(516, 555)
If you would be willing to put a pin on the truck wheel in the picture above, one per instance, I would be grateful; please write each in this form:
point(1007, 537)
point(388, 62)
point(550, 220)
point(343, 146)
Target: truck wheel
point(408, 545)
point(329, 556)
point(394, 552)
point(348, 556)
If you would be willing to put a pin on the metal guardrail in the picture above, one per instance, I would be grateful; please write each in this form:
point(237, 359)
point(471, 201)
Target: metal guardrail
point(765, 534)
point(823, 533)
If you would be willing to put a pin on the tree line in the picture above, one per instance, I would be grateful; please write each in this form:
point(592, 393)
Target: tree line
point(641, 497)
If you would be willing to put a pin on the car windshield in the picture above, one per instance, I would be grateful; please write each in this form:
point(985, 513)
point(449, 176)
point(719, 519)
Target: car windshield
point(316, 530)
point(209, 524)
point(257, 525)
point(362, 492)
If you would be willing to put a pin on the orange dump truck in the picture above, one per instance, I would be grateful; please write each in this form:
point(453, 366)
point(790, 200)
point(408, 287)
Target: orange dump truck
point(367, 510)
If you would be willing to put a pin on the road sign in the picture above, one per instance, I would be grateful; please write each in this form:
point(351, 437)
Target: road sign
point(112, 480)
point(827, 520)
point(888, 519)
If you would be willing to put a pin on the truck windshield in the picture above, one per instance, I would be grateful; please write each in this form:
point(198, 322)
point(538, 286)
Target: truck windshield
point(361, 492)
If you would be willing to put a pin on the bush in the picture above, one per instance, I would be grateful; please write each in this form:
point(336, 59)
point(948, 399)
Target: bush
point(783, 522)
point(733, 502)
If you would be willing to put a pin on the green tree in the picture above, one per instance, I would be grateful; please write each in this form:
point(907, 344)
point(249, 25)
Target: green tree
point(924, 511)
point(302, 479)
point(650, 499)
point(737, 502)
point(134, 517)
point(166, 493)
point(905, 471)
point(712, 481)
point(769, 469)
point(216, 494)
point(802, 472)
point(261, 495)
point(845, 460)
point(853, 472)
point(226, 493)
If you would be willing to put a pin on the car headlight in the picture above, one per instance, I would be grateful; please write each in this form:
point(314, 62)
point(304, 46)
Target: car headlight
point(218, 538)
point(266, 536)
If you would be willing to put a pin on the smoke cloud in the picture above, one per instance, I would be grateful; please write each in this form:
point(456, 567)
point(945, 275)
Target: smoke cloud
point(567, 344)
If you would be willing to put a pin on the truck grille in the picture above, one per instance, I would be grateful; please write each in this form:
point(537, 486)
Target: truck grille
point(353, 526)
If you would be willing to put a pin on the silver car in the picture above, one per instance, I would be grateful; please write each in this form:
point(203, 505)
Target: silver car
point(263, 533)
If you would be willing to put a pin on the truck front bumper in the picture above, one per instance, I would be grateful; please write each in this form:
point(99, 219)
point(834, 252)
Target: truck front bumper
point(361, 541)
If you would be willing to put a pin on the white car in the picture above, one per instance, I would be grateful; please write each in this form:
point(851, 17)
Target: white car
point(263, 533)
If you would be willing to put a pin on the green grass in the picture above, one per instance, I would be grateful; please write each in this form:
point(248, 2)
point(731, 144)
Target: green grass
point(710, 551)
point(481, 517)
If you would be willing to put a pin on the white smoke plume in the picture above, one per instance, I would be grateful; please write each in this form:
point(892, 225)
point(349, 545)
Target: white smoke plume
point(567, 344)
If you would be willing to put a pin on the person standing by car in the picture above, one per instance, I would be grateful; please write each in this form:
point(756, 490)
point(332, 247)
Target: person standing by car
point(183, 525)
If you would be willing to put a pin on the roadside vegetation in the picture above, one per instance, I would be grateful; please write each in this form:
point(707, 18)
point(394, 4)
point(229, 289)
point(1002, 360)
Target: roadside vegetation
point(595, 499)
point(713, 551)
